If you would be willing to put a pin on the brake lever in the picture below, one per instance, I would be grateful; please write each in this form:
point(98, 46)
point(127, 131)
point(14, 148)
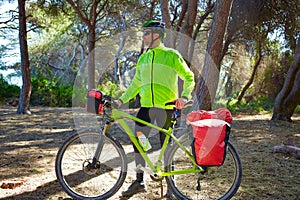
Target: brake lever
point(189, 103)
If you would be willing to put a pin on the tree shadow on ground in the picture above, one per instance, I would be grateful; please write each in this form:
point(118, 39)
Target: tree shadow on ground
point(29, 143)
point(43, 191)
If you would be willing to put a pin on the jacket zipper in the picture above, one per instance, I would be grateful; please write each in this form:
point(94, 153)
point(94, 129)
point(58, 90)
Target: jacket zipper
point(152, 78)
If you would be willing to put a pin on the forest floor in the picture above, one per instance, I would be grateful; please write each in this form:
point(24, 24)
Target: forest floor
point(29, 143)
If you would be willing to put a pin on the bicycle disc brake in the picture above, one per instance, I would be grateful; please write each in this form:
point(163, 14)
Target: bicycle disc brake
point(90, 168)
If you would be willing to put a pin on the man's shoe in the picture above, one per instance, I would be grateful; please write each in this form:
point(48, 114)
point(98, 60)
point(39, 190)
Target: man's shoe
point(134, 188)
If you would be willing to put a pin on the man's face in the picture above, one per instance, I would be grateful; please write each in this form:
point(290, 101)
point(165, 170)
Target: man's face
point(147, 36)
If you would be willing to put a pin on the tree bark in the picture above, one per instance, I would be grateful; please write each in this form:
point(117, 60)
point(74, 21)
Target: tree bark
point(258, 58)
point(23, 106)
point(288, 98)
point(165, 12)
point(287, 149)
point(208, 82)
point(91, 59)
point(209, 9)
point(186, 35)
point(187, 29)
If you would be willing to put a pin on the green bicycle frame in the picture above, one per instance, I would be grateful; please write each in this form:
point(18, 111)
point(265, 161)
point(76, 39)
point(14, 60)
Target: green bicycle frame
point(120, 117)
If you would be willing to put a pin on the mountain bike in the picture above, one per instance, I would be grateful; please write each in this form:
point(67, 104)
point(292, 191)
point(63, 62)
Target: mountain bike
point(93, 165)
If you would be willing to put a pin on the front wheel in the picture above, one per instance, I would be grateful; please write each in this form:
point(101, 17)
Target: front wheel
point(91, 166)
point(215, 183)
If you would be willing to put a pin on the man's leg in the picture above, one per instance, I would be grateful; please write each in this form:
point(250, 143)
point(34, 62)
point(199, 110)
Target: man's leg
point(165, 121)
point(138, 185)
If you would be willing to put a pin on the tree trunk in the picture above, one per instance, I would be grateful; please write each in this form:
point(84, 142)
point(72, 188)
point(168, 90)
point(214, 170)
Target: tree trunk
point(228, 84)
point(186, 36)
point(288, 98)
point(209, 10)
point(91, 59)
point(165, 12)
point(187, 29)
point(258, 58)
point(208, 82)
point(23, 106)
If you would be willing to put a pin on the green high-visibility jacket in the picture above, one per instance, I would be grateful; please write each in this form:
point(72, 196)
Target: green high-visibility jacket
point(156, 78)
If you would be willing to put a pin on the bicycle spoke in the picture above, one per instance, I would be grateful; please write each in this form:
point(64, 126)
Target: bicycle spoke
point(81, 177)
point(215, 183)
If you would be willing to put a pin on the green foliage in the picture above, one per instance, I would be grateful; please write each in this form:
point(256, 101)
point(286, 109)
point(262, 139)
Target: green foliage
point(256, 105)
point(50, 93)
point(107, 86)
point(59, 38)
point(53, 23)
point(8, 91)
point(79, 94)
point(111, 89)
point(3, 48)
point(297, 110)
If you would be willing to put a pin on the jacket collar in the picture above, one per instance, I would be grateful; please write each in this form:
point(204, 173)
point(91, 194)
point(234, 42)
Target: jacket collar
point(161, 46)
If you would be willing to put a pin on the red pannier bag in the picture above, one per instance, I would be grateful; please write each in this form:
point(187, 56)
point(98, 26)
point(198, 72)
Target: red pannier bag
point(94, 103)
point(211, 131)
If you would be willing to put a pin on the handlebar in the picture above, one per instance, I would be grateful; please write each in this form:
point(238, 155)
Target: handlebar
point(109, 98)
point(177, 108)
point(110, 101)
point(186, 104)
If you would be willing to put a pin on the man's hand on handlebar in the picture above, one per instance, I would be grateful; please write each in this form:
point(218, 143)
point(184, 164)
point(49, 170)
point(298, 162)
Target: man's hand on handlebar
point(180, 103)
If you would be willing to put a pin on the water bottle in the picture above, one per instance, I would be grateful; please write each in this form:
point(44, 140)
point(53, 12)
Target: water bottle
point(143, 141)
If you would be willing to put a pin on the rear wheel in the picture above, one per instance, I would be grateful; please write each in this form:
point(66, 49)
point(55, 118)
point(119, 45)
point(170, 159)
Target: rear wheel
point(216, 183)
point(85, 174)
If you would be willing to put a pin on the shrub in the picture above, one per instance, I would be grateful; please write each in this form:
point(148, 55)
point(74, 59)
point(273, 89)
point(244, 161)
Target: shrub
point(50, 93)
point(257, 104)
point(8, 91)
point(111, 89)
point(297, 110)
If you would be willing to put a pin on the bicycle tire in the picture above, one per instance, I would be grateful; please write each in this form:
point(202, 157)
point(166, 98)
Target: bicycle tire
point(217, 183)
point(102, 181)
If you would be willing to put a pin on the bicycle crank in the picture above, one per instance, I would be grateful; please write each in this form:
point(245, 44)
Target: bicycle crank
point(153, 176)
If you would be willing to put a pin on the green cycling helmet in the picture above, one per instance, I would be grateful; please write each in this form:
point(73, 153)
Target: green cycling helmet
point(156, 27)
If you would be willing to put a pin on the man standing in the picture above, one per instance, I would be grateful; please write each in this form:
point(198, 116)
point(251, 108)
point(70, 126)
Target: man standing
point(156, 81)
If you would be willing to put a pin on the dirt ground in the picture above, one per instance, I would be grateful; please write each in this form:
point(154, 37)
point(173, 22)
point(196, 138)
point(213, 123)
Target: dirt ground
point(28, 146)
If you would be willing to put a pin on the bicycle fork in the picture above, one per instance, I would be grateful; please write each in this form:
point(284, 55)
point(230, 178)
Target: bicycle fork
point(96, 158)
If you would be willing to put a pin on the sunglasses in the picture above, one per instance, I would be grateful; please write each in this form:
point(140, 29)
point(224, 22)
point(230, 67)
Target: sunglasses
point(147, 32)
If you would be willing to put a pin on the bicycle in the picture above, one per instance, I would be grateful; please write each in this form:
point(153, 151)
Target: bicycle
point(93, 165)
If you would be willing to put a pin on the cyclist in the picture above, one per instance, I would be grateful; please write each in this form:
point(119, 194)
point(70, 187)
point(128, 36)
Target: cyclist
point(156, 81)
